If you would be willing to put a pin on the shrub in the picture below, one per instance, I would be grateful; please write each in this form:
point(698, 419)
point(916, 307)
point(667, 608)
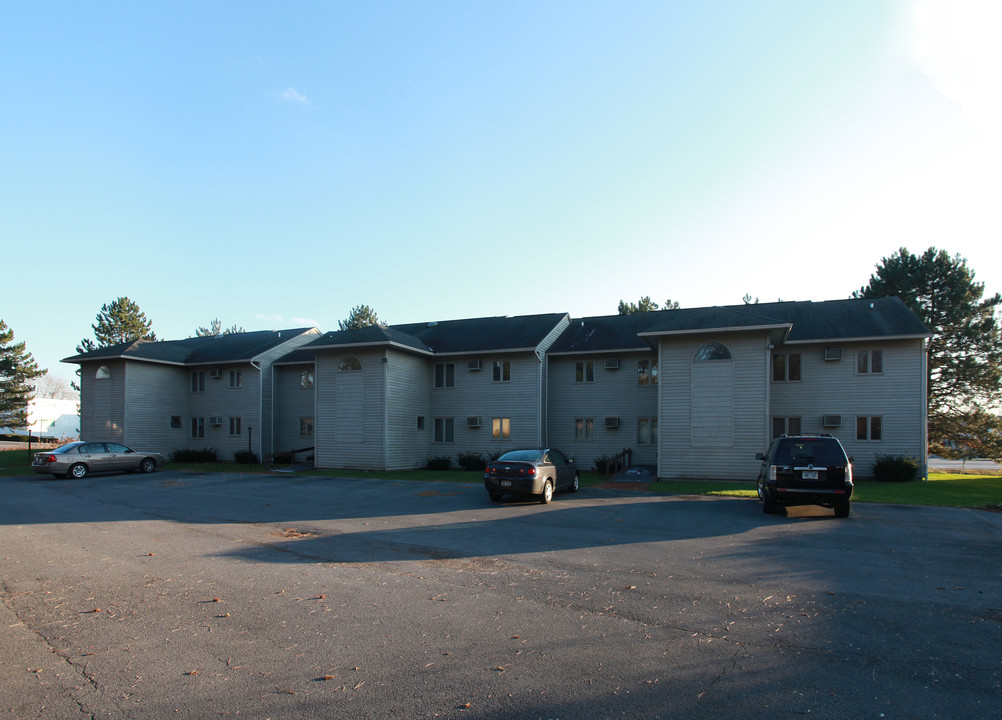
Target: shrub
point(471, 461)
point(189, 455)
point(601, 460)
point(495, 455)
point(439, 463)
point(895, 468)
point(245, 457)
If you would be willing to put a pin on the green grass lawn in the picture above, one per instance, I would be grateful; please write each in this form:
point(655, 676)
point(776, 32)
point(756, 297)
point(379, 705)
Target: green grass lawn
point(944, 489)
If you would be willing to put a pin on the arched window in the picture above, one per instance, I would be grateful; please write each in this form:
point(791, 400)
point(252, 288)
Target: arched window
point(103, 373)
point(349, 364)
point(712, 351)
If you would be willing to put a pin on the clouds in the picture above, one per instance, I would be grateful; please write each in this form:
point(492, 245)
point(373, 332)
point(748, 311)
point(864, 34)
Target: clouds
point(291, 95)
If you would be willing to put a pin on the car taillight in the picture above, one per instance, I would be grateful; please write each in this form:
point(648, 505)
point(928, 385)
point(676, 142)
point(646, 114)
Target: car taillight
point(531, 471)
point(489, 469)
point(772, 472)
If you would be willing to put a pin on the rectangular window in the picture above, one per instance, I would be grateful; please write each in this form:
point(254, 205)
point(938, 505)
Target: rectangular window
point(420, 422)
point(869, 362)
point(198, 382)
point(236, 378)
point(786, 367)
point(198, 427)
point(647, 431)
point(502, 371)
point(584, 428)
point(785, 426)
point(869, 428)
point(306, 427)
point(306, 379)
point(584, 372)
point(445, 430)
point(501, 428)
point(445, 375)
point(647, 372)
point(234, 426)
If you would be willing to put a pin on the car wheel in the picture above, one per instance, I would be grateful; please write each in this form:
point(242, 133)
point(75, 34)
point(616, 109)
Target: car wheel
point(842, 508)
point(496, 496)
point(547, 495)
point(575, 484)
point(78, 471)
point(148, 465)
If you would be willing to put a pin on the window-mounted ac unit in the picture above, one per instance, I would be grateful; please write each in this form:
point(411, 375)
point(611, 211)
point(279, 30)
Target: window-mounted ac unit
point(833, 353)
point(612, 363)
point(832, 421)
point(473, 365)
point(215, 373)
point(472, 422)
point(216, 420)
point(612, 422)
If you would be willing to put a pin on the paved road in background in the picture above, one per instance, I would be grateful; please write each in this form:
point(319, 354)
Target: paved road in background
point(194, 596)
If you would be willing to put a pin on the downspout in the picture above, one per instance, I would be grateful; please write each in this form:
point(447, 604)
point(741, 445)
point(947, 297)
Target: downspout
point(768, 393)
point(260, 413)
point(386, 407)
point(541, 433)
point(924, 404)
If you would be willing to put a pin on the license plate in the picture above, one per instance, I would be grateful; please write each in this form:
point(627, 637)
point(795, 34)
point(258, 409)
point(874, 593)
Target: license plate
point(810, 475)
point(506, 483)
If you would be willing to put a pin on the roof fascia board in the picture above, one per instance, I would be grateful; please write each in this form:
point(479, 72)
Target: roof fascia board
point(493, 351)
point(368, 345)
point(861, 338)
point(81, 361)
point(612, 351)
point(710, 331)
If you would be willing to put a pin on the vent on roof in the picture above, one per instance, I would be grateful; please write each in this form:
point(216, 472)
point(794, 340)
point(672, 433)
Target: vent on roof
point(216, 420)
point(612, 363)
point(472, 422)
point(612, 423)
point(216, 373)
point(473, 365)
point(832, 421)
point(833, 353)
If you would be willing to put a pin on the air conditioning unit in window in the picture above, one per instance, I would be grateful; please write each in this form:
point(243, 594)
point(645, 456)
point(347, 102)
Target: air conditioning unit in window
point(612, 423)
point(833, 353)
point(216, 373)
point(473, 365)
point(216, 420)
point(612, 363)
point(832, 421)
point(472, 422)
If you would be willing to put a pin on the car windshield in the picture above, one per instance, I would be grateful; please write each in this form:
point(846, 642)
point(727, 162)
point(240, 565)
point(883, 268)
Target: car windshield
point(521, 456)
point(816, 451)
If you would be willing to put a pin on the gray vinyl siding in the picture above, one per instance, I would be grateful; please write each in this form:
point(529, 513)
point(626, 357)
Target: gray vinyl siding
point(476, 394)
point(615, 393)
point(220, 400)
point(156, 393)
point(292, 403)
point(408, 391)
point(731, 454)
point(102, 404)
point(365, 452)
point(266, 443)
point(544, 370)
point(834, 388)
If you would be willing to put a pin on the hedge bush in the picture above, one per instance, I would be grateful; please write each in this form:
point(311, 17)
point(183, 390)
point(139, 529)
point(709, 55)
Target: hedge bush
point(895, 468)
point(245, 457)
point(190, 455)
point(443, 462)
point(471, 461)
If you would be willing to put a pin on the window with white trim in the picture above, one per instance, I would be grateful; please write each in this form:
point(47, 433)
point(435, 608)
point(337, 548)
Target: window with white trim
point(236, 380)
point(786, 367)
point(445, 430)
point(501, 428)
point(869, 427)
point(198, 427)
point(870, 362)
point(445, 375)
point(647, 372)
point(502, 371)
point(234, 426)
point(584, 428)
point(198, 382)
point(306, 379)
point(647, 431)
point(785, 426)
point(306, 427)
point(584, 372)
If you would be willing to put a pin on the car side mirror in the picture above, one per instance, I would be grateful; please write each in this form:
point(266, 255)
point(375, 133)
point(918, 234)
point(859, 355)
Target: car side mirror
point(759, 456)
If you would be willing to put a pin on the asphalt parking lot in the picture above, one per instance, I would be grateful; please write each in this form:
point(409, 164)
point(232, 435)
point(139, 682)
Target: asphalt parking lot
point(275, 596)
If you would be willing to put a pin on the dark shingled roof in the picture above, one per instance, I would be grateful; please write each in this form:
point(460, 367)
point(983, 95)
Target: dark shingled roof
point(234, 347)
point(805, 321)
point(490, 334)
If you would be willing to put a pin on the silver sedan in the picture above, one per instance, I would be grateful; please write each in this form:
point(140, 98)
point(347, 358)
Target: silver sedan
point(78, 459)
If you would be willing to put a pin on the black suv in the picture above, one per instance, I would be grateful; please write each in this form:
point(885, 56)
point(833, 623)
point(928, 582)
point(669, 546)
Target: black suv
point(805, 470)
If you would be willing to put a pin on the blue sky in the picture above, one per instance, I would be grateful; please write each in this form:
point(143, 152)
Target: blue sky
point(273, 165)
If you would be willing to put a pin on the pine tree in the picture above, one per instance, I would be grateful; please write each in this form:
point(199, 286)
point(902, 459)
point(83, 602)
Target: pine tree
point(216, 328)
point(361, 316)
point(18, 370)
point(119, 322)
point(645, 304)
point(965, 351)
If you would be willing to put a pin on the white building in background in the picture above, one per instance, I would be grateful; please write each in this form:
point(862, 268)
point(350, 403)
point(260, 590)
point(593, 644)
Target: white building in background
point(54, 419)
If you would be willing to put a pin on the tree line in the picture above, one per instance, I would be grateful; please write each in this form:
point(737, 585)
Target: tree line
point(964, 355)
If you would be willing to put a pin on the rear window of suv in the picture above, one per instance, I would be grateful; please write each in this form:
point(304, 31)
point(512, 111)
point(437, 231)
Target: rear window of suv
point(816, 451)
